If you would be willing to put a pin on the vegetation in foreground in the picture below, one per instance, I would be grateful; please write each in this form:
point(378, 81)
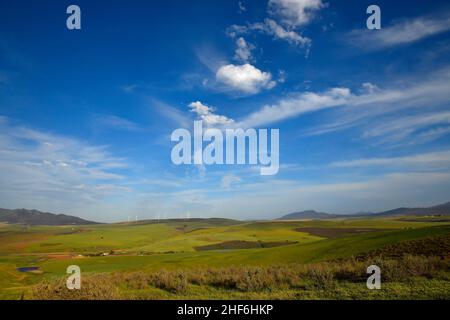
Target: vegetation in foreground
point(408, 277)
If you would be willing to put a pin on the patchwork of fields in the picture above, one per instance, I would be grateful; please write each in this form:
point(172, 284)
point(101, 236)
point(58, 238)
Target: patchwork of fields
point(199, 245)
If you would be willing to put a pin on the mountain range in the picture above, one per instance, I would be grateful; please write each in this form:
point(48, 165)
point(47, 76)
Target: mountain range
point(442, 209)
point(35, 217)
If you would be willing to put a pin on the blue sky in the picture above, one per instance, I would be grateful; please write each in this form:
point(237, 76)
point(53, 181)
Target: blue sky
point(86, 115)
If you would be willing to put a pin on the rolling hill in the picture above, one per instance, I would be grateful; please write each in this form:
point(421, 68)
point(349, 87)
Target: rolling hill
point(35, 217)
point(308, 214)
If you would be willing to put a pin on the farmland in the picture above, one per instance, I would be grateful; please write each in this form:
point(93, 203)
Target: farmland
point(174, 259)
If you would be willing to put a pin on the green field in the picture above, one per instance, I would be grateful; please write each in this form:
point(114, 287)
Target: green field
point(118, 250)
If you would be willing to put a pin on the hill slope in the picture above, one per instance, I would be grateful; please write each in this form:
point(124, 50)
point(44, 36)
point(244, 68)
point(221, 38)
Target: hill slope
point(35, 217)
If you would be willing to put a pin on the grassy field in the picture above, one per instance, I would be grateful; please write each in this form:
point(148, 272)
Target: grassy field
point(176, 248)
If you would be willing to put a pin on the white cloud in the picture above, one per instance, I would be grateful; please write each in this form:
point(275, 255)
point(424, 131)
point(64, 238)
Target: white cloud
point(115, 122)
point(241, 7)
point(369, 87)
point(296, 105)
point(432, 134)
point(171, 113)
point(288, 15)
point(271, 28)
point(382, 113)
point(400, 33)
point(55, 173)
point(278, 32)
point(405, 126)
point(200, 109)
point(235, 30)
point(244, 78)
point(243, 51)
point(355, 109)
point(425, 160)
point(207, 114)
point(130, 88)
point(295, 13)
point(228, 180)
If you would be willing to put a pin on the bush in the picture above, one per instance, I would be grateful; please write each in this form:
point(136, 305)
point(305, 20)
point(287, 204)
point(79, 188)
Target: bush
point(350, 270)
point(321, 277)
point(409, 266)
point(94, 287)
point(170, 281)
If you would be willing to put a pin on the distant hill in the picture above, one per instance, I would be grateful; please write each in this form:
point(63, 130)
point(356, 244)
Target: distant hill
point(442, 209)
point(35, 217)
point(308, 214)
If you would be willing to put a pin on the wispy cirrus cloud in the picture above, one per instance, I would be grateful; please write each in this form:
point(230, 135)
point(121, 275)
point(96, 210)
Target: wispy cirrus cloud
point(394, 113)
point(400, 33)
point(271, 28)
point(108, 121)
point(241, 7)
point(349, 109)
point(170, 112)
point(399, 128)
point(426, 161)
point(296, 105)
point(287, 17)
point(54, 172)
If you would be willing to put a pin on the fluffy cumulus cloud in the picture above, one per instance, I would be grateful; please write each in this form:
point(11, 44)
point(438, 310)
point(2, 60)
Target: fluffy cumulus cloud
point(244, 78)
point(206, 113)
point(295, 13)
